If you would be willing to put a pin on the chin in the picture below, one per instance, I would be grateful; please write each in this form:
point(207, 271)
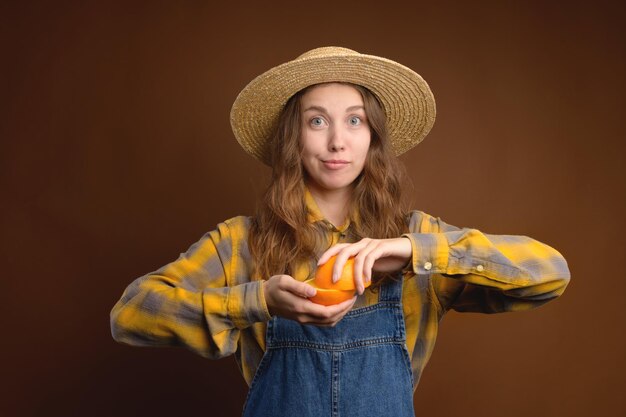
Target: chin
point(332, 183)
point(333, 186)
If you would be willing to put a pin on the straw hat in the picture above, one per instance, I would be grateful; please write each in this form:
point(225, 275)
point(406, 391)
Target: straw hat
point(406, 98)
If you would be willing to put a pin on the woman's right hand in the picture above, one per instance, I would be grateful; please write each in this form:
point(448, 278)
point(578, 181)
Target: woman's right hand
point(286, 297)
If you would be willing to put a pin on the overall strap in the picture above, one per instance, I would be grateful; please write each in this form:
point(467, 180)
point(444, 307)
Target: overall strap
point(391, 291)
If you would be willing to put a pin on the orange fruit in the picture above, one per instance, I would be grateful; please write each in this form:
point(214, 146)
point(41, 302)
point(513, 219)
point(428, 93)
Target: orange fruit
point(329, 293)
point(324, 276)
point(329, 297)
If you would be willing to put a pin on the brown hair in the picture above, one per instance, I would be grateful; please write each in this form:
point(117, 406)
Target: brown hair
point(281, 237)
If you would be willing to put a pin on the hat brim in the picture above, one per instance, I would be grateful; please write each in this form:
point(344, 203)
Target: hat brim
point(406, 98)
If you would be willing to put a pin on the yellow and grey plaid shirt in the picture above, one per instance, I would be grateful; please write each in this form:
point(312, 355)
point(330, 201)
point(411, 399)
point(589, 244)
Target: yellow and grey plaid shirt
point(208, 301)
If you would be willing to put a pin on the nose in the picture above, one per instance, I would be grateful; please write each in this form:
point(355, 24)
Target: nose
point(336, 140)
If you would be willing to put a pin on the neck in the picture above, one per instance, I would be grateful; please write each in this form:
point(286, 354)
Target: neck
point(333, 204)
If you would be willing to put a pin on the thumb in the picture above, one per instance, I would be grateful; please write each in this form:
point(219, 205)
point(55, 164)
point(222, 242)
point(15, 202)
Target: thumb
point(301, 289)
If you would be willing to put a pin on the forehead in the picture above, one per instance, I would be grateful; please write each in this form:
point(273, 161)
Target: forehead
point(332, 93)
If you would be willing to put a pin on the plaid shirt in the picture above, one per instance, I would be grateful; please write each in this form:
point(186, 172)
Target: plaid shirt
point(208, 301)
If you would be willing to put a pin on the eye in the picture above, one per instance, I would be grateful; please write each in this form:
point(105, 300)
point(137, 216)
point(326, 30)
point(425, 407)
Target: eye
point(354, 120)
point(317, 122)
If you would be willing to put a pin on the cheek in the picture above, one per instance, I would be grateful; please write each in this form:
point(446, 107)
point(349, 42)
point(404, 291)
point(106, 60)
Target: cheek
point(308, 144)
point(364, 148)
point(308, 155)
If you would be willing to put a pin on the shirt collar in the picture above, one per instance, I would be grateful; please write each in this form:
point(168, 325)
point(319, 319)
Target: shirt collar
point(314, 214)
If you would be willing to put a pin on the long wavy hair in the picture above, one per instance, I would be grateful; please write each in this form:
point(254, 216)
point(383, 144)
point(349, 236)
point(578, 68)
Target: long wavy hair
point(281, 237)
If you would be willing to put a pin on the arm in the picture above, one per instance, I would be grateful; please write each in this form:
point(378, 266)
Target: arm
point(472, 271)
point(193, 301)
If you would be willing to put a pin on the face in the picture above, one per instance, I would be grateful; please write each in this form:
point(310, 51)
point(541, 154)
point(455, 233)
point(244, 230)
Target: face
point(335, 136)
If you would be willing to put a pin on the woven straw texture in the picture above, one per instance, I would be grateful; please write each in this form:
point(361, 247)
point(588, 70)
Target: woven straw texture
point(405, 96)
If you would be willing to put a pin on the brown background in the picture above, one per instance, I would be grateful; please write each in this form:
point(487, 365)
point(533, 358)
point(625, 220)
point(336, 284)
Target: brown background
point(117, 155)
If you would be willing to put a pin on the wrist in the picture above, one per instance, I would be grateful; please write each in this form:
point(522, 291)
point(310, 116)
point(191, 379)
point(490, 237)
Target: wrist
point(267, 298)
point(430, 252)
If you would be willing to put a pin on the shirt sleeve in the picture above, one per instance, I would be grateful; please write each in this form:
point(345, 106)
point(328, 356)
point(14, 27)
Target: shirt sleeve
point(194, 301)
point(475, 272)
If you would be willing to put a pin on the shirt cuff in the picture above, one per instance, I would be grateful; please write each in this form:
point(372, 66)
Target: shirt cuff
point(246, 304)
point(430, 252)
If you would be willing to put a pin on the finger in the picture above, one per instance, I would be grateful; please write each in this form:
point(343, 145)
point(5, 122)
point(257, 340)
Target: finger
point(344, 254)
point(370, 260)
point(360, 271)
point(323, 313)
point(298, 288)
point(330, 315)
point(343, 309)
point(345, 306)
point(332, 251)
point(368, 266)
point(370, 256)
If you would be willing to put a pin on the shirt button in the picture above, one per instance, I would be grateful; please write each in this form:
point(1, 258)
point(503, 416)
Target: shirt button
point(427, 266)
point(480, 268)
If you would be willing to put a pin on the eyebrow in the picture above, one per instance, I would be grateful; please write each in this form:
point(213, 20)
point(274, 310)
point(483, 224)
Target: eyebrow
point(323, 110)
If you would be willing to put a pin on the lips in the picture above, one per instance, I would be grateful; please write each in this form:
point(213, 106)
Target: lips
point(335, 163)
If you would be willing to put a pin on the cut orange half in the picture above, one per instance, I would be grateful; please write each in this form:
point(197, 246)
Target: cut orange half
point(327, 296)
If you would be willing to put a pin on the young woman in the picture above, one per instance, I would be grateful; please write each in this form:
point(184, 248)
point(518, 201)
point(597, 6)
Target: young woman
point(330, 123)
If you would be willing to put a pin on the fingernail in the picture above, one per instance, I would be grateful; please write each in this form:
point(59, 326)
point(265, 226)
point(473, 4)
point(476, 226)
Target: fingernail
point(310, 291)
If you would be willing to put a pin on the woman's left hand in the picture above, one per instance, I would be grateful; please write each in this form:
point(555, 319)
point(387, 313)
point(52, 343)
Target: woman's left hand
point(381, 255)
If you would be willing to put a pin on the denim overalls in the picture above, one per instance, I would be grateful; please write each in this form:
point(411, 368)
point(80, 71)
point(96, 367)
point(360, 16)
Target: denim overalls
point(360, 367)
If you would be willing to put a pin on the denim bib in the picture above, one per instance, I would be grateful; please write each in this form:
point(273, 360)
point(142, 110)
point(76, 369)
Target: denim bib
point(360, 367)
